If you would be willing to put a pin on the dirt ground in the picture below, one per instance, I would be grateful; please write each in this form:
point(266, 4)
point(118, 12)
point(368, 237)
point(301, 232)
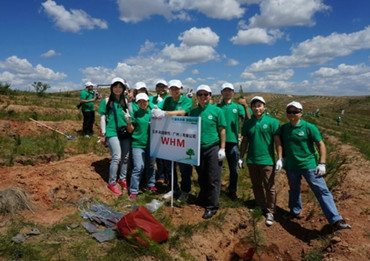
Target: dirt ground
point(56, 187)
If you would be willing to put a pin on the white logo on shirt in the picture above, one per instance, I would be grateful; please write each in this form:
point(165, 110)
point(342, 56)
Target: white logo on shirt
point(265, 126)
point(210, 117)
point(235, 110)
point(301, 133)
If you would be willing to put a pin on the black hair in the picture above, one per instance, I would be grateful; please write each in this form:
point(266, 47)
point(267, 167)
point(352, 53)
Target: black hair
point(122, 99)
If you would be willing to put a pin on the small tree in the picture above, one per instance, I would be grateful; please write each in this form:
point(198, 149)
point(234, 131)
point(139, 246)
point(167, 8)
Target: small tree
point(40, 87)
point(190, 152)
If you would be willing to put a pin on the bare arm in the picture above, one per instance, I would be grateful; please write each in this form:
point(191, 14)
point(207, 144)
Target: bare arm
point(176, 113)
point(278, 146)
point(243, 147)
point(322, 151)
point(222, 133)
point(243, 102)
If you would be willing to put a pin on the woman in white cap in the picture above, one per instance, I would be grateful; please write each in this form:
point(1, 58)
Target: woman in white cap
point(139, 87)
point(112, 121)
point(139, 124)
point(87, 99)
point(261, 133)
point(299, 139)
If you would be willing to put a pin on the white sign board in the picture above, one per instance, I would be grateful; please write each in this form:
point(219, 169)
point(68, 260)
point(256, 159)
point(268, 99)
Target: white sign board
point(176, 139)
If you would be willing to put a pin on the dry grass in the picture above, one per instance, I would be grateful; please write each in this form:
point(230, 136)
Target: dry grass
point(13, 200)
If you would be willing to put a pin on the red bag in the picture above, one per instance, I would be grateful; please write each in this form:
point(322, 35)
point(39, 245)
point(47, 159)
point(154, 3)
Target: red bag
point(142, 219)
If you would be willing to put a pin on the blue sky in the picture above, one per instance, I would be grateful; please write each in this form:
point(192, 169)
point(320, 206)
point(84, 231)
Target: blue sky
point(302, 47)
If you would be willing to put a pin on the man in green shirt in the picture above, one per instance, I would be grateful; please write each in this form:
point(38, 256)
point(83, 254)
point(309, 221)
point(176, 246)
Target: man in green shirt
point(87, 99)
point(261, 133)
point(212, 143)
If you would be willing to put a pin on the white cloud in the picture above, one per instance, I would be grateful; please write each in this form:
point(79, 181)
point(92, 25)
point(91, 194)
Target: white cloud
point(137, 10)
point(199, 36)
point(256, 36)
point(73, 20)
point(20, 72)
point(232, 62)
point(279, 13)
point(50, 53)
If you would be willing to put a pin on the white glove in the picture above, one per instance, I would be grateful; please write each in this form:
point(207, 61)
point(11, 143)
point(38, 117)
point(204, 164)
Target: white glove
point(128, 117)
point(320, 170)
point(240, 163)
point(158, 113)
point(279, 165)
point(221, 154)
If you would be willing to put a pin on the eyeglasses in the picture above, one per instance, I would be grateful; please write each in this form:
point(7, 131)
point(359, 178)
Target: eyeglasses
point(293, 112)
point(203, 94)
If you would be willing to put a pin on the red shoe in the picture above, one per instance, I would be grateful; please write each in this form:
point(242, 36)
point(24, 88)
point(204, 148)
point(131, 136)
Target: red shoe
point(114, 188)
point(132, 197)
point(153, 189)
point(123, 183)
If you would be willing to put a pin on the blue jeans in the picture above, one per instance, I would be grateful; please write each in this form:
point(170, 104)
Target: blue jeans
point(319, 188)
point(120, 152)
point(232, 156)
point(141, 161)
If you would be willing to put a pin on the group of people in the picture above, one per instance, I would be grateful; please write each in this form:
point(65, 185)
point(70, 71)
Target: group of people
point(125, 125)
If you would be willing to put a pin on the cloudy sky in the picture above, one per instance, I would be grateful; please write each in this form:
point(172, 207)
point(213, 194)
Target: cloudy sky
point(306, 47)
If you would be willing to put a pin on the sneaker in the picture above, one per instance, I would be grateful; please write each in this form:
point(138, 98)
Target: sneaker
point(153, 189)
point(87, 136)
point(132, 197)
point(123, 183)
point(167, 195)
point(341, 224)
point(269, 219)
point(291, 216)
point(114, 188)
point(183, 197)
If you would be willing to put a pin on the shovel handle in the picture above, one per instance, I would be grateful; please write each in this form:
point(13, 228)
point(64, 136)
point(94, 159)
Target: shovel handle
point(47, 126)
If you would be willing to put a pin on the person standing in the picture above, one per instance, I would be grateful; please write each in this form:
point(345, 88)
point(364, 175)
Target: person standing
point(299, 139)
point(177, 104)
point(163, 170)
point(112, 111)
point(139, 87)
point(261, 134)
point(233, 114)
point(87, 99)
point(138, 123)
point(212, 153)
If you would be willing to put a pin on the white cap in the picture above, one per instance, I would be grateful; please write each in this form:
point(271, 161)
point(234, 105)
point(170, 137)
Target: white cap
point(140, 85)
point(258, 98)
point(295, 104)
point(141, 96)
point(118, 79)
point(204, 87)
point(227, 85)
point(161, 82)
point(89, 84)
point(175, 83)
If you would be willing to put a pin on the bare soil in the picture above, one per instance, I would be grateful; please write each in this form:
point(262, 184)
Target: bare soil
point(56, 187)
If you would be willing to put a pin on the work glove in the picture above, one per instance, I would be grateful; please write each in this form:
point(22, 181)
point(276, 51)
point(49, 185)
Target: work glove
point(279, 165)
point(128, 117)
point(240, 163)
point(320, 170)
point(158, 113)
point(221, 154)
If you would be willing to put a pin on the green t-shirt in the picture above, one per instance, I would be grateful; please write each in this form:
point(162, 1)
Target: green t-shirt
point(232, 112)
point(87, 95)
point(135, 106)
point(183, 104)
point(141, 121)
point(154, 99)
point(299, 145)
point(212, 118)
point(111, 128)
point(260, 134)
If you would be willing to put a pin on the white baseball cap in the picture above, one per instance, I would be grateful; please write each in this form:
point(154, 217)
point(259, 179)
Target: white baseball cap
point(161, 82)
point(295, 104)
point(87, 84)
point(140, 85)
point(141, 96)
point(258, 98)
point(227, 85)
point(204, 87)
point(118, 79)
point(175, 83)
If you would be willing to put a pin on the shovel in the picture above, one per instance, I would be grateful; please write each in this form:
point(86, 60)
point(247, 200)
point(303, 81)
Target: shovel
point(69, 137)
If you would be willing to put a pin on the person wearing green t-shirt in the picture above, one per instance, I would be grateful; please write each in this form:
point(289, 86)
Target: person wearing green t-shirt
point(87, 99)
point(261, 134)
point(163, 171)
point(212, 143)
point(177, 104)
point(139, 124)
point(299, 139)
point(139, 87)
point(234, 113)
point(112, 111)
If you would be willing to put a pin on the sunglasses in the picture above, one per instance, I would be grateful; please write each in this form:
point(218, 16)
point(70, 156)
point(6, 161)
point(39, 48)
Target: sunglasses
point(293, 112)
point(203, 94)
